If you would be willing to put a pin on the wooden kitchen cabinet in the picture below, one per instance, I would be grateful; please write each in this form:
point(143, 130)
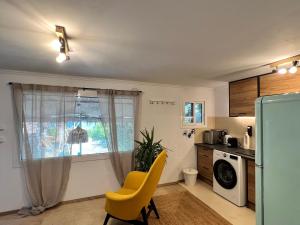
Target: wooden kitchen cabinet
point(242, 95)
point(275, 83)
point(251, 184)
point(205, 164)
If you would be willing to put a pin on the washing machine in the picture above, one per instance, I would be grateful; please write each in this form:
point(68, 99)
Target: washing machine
point(229, 178)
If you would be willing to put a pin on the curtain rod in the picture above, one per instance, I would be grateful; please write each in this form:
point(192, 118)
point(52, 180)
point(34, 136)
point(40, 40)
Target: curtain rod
point(95, 89)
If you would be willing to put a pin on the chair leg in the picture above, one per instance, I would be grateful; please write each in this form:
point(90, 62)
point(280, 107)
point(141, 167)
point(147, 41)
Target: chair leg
point(106, 219)
point(144, 215)
point(154, 208)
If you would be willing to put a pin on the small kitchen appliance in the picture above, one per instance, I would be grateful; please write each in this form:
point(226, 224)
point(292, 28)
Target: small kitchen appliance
point(226, 139)
point(214, 136)
point(232, 142)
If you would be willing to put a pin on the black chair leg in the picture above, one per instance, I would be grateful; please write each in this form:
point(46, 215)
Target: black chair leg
point(154, 208)
point(144, 215)
point(106, 219)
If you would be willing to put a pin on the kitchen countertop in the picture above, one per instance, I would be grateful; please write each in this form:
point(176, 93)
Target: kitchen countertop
point(245, 153)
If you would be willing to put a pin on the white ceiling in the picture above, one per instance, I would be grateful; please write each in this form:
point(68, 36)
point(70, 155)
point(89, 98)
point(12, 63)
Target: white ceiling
point(170, 41)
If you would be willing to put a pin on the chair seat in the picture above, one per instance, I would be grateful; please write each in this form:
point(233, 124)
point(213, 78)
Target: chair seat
point(125, 191)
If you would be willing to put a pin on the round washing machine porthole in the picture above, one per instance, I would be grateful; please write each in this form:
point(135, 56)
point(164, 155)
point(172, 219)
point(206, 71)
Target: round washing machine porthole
point(225, 174)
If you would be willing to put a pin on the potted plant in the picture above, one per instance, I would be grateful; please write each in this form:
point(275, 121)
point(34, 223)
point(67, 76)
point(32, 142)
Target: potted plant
point(147, 151)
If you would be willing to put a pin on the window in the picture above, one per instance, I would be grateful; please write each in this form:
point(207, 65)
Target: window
point(89, 107)
point(44, 132)
point(88, 117)
point(193, 114)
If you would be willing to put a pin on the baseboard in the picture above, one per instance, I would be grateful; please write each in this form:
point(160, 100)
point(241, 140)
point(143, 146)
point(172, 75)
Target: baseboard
point(8, 212)
point(85, 199)
point(82, 199)
point(170, 183)
point(61, 203)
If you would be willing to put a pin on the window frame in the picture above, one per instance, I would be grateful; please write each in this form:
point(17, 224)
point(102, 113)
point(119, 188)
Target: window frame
point(194, 124)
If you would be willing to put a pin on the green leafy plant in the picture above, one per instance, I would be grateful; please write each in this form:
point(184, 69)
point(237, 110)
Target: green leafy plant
point(147, 151)
point(96, 132)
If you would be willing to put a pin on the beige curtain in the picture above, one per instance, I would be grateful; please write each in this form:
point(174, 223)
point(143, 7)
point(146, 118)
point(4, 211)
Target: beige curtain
point(42, 113)
point(119, 115)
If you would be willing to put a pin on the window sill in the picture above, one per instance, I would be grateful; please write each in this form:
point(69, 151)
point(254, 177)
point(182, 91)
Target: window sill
point(191, 126)
point(91, 157)
point(76, 159)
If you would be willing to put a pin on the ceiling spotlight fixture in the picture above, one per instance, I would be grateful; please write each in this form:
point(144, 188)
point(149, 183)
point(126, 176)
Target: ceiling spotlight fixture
point(294, 68)
point(61, 44)
point(282, 70)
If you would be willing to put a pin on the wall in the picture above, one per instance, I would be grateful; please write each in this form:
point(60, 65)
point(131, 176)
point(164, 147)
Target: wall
point(95, 177)
point(222, 101)
point(235, 125)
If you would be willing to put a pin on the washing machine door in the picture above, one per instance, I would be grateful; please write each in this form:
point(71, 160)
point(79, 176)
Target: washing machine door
point(225, 174)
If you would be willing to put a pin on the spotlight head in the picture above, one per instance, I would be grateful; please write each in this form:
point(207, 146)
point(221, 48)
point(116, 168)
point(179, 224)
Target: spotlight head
point(293, 69)
point(56, 45)
point(61, 57)
point(282, 70)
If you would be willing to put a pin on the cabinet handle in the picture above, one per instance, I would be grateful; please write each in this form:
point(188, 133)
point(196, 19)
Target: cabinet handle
point(204, 156)
point(204, 167)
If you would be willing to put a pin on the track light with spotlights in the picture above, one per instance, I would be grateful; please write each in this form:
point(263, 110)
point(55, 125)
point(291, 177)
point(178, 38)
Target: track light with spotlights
point(290, 68)
point(61, 45)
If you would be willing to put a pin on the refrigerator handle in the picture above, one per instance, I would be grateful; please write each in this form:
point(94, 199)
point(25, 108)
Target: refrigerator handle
point(259, 131)
point(259, 166)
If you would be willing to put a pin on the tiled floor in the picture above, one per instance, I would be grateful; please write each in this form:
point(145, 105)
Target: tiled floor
point(92, 212)
point(234, 214)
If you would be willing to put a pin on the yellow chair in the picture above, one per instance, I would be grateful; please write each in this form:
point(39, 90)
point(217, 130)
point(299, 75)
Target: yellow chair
point(135, 195)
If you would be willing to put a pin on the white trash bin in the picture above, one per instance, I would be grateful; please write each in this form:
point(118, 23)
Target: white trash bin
point(190, 176)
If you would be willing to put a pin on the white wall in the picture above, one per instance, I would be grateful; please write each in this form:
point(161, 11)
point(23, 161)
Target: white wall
point(222, 100)
point(90, 178)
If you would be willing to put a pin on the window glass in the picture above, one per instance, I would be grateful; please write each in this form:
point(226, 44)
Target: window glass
point(42, 132)
point(193, 114)
point(198, 113)
point(87, 116)
point(189, 112)
point(125, 122)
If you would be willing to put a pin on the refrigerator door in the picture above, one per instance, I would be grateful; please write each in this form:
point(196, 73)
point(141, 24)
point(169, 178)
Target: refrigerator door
point(279, 151)
point(258, 163)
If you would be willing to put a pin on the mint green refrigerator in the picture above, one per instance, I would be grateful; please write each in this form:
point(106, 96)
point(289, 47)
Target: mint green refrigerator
point(278, 160)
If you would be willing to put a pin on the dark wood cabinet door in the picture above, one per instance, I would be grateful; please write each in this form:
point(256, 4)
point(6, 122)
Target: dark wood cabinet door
point(205, 164)
point(242, 95)
point(251, 183)
point(275, 83)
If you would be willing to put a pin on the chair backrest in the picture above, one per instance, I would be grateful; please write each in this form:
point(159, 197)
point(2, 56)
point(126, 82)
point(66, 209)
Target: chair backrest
point(148, 188)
